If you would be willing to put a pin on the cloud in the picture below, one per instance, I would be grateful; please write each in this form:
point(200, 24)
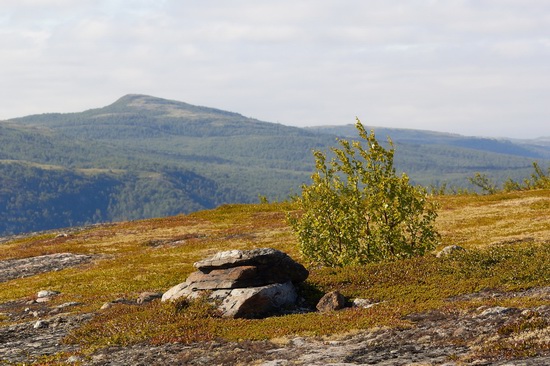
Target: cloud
point(444, 65)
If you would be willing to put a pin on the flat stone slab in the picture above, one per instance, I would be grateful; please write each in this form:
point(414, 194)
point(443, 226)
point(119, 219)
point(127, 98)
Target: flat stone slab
point(267, 260)
point(237, 277)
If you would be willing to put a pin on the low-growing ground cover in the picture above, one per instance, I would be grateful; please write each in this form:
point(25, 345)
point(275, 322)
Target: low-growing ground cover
point(506, 236)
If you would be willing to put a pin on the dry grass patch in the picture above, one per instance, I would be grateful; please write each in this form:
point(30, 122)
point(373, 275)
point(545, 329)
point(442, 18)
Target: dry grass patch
point(473, 221)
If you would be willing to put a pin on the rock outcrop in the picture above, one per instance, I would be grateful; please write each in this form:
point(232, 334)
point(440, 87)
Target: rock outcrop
point(244, 283)
point(18, 268)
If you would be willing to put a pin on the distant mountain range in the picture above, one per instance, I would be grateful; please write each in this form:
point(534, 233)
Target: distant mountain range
point(144, 157)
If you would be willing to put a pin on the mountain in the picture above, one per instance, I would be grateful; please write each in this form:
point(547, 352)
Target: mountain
point(535, 149)
point(438, 158)
point(144, 157)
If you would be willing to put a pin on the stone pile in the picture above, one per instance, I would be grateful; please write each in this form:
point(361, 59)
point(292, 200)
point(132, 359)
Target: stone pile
point(244, 283)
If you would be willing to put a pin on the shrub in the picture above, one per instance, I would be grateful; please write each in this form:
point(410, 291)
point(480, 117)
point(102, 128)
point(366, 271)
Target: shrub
point(358, 210)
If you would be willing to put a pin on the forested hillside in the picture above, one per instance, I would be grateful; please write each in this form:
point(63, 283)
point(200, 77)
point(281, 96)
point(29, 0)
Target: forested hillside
point(144, 157)
point(536, 149)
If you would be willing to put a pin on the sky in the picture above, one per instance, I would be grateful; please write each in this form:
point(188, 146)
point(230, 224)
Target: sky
point(473, 67)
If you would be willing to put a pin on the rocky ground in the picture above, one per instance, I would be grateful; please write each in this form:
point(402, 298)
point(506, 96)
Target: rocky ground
point(482, 336)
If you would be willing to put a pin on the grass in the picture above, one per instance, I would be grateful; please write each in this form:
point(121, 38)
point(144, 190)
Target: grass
point(506, 236)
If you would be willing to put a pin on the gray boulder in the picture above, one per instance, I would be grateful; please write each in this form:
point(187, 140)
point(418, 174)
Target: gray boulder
point(244, 283)
point(256, 302)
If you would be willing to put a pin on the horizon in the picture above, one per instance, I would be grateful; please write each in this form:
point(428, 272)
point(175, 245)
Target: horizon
point(470, 68)
point(289, 125)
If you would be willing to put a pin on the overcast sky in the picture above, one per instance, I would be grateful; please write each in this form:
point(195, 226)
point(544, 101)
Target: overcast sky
point(475, 67)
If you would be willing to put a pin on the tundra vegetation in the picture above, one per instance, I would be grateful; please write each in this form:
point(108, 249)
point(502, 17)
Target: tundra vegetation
point(358, 210)
point(505, 234)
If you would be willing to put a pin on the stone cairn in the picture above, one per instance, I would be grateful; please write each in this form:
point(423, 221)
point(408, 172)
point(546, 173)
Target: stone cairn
point(244, 283)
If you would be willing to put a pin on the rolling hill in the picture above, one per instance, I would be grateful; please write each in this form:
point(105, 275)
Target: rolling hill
point(144, 157)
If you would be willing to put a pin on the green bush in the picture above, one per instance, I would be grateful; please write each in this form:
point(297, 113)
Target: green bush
point(358, 210)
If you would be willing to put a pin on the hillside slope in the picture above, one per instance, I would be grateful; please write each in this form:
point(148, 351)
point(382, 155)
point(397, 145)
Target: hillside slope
point(143, 157)
point(489, 304)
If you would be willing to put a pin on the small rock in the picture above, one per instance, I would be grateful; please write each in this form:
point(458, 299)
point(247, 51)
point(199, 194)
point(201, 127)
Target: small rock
point(146, 297)
point(99, 358)
point(363, 303)
point(497, 310)
point(46, 295)
point(332, 301)
point(424, 339)
point(460, 332)
point(449, 250)
point(107, 305)
point(40, 324)
point(298, 342)
point(73, 359)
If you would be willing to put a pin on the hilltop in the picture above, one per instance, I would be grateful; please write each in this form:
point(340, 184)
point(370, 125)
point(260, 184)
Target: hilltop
point(489, 304)
point(143, 157)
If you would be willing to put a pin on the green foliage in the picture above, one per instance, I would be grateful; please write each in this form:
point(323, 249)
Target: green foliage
point(358, 210)
point(37, 197)
point(538, 180)
point(484, 182)
point(423, 279)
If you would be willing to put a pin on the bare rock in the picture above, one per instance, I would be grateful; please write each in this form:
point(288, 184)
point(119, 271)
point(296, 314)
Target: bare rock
point(255, 302)
point(177, 291)
point(25, 267)
point(40, 324)
point(332, 301)
point(363, 303)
